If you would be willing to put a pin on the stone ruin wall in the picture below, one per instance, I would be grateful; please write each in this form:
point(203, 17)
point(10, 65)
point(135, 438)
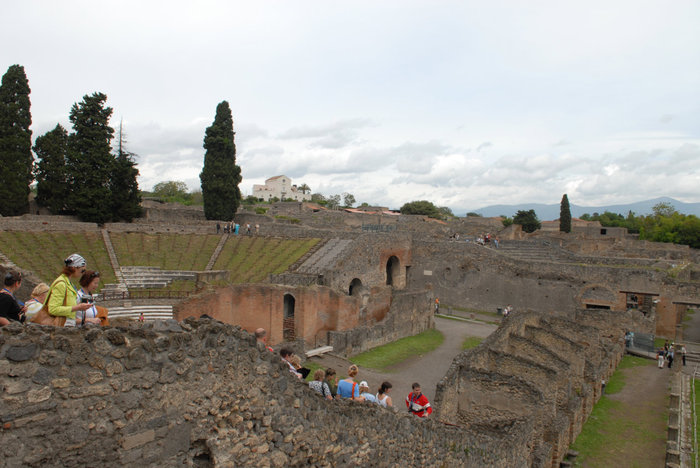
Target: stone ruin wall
point(201, 393)
point(477, 277)
point(542, 369)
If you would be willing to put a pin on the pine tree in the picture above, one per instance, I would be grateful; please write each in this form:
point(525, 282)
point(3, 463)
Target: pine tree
point(126, 199)
point(89, 160)
point(564, 215)
point(16, 158)
point(220, 176)
point(52, 186)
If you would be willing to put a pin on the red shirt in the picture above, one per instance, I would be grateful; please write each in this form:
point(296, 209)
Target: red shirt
point(420, 406)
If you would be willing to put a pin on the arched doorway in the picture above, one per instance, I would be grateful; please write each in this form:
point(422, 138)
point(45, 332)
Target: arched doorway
point(392, 270)
point(355, 287)
point(288, 329)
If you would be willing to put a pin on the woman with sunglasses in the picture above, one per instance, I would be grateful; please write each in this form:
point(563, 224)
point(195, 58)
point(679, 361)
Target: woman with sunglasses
point(63, 297)
point(89, 282)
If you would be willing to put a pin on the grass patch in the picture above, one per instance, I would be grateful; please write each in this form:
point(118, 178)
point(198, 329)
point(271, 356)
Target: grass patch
point(617, 381)
point(607, 428)
point(383, 357)
point(471, 342)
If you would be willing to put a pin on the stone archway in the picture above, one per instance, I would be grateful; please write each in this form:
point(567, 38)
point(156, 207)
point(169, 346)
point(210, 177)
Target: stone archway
point(598, 296)
point(288, 326)
point(393, 270)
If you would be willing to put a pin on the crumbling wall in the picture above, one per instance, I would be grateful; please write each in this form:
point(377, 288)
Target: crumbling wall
point(202, 393)
point(410, 313)
point(543, 368)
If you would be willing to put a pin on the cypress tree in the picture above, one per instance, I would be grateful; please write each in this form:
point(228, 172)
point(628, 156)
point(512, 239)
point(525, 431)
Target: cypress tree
point(126, 199)
point(564, 215)
point(16, 158)
point(220, 176)
point(89, 160)
point(52, 185)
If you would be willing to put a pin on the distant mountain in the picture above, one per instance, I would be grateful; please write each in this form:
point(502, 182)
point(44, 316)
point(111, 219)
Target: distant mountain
point(551, 212)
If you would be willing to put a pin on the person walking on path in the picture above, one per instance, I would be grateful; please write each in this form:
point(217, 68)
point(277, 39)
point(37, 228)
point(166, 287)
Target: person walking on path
point(669, 356)
point(683, 353)
point(417, 403)
point(660, 359)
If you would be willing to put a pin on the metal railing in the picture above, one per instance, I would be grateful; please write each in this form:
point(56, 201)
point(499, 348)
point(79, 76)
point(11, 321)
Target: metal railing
point(143, 294)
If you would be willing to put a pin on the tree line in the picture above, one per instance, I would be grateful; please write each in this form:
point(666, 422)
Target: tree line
point(664, 224)
point(80, 173)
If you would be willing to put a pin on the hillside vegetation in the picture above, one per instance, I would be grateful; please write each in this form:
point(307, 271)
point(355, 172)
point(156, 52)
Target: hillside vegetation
point(249, 259)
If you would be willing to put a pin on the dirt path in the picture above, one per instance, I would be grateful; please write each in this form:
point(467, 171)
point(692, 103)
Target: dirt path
point(644, 410)
point(427, 369)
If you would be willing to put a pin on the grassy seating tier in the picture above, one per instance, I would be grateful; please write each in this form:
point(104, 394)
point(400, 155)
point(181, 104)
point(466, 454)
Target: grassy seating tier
point(251, 259)
point(167, 251)
point(43, 252)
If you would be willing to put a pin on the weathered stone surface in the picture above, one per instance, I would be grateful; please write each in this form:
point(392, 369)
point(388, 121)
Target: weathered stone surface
point(136, 440)
point(235, 405)
point(19, 353)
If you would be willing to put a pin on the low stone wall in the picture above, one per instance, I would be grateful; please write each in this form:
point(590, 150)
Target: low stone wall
point(201, 393)
point(410, 313)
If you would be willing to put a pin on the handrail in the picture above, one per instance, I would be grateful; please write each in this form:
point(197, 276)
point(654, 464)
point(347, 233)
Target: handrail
point(143, 294)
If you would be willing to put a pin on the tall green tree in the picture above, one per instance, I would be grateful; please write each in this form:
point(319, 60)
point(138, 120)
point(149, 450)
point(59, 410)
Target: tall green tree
point(52, 185)
point(89, 159)
point(220, 175)
point(564, 215)
point(124, 186)
point(16, 160)
point(528, 220)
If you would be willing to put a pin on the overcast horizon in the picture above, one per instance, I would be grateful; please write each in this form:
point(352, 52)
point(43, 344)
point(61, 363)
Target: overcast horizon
point(461, 103)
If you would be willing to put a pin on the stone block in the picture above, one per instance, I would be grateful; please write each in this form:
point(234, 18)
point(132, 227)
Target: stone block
point(20, 353)
point(136, 440)
point(60, 383)
point(13, 387)
point(37, 396)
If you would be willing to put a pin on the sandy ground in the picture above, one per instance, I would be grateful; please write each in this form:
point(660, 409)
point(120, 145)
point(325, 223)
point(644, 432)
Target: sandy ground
point(426, 370)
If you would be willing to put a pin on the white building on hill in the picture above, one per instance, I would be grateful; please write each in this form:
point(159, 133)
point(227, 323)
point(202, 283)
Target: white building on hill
point(281, 187)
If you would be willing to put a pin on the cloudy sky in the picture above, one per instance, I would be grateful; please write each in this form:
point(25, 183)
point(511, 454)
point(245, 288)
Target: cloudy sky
point(463, 103)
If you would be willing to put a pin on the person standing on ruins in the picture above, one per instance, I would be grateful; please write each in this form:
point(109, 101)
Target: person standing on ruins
point(418, 403)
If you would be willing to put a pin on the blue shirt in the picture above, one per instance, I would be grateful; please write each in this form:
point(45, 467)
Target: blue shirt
point(345, 389)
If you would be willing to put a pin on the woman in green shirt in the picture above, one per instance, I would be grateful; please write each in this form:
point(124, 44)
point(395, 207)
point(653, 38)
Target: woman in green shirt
point(63, 296)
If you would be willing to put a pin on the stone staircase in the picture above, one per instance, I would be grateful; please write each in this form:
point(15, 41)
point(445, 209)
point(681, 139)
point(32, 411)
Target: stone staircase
point(533, 251)
point(217, 251)
point(325, 257)
point(150, 312)
point(118, 289)
point(319, 245)
point(153, 277)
